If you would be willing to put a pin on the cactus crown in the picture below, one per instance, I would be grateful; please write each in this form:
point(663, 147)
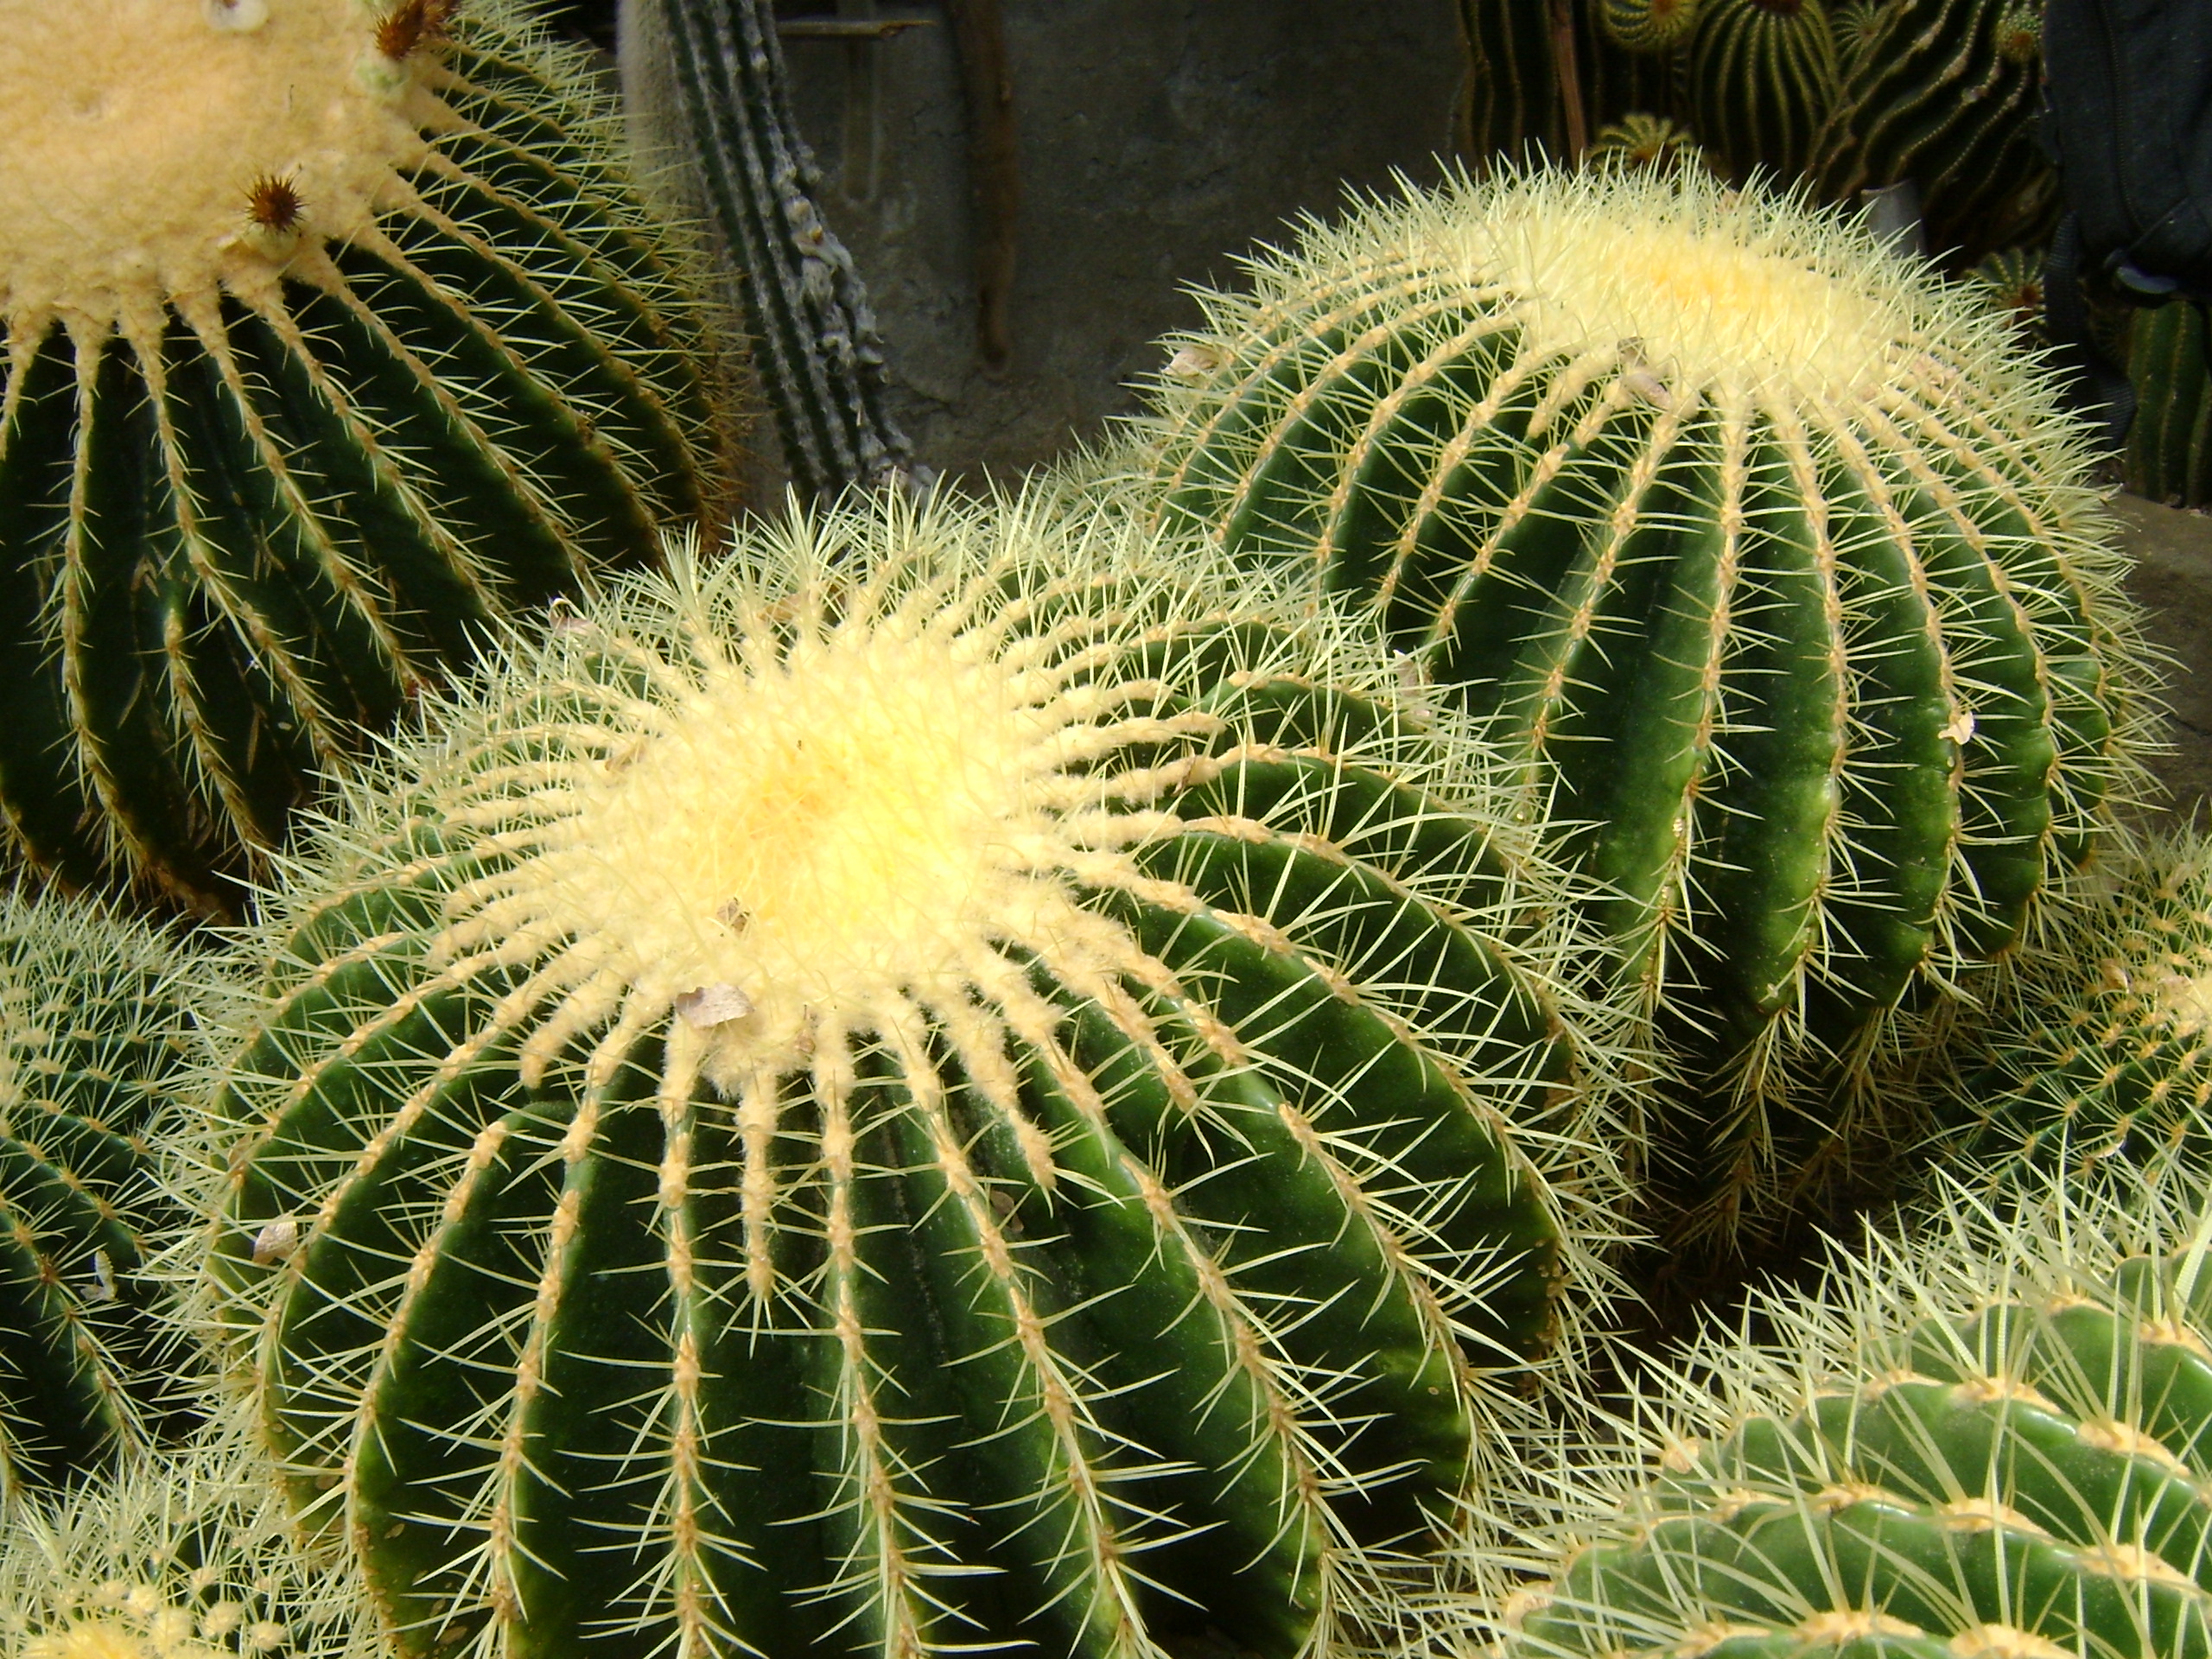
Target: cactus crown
point(190, 149)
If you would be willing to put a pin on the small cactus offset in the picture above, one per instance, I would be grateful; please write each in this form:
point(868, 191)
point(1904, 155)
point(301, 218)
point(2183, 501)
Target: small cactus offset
point(333, 334)
point(1640, 139)
point(2100, 1064)
point(1647, 25)
point(936, 1083)
point(94, 1052)
point(2168, 456)
point(1762, 76)
point(1764, 541)
point(1945, 93)
point(2012, 282)
point(187, 1556)
point(1991, 1441)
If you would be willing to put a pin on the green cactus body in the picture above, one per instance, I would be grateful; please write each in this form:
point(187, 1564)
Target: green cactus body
point(1939, 92)
point(2099, 1062)
point(1512, 84)
point(1762, 539)
point(2170, 441)
point(2021, 1471)
point(329, 340)
point(1762, 74)
point(994, 1102)
point(1640, 139)
point(92, 1054)
point(2012, 282)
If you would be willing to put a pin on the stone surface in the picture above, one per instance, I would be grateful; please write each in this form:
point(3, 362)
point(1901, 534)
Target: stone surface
point(2172, 581)
point(1155, 137)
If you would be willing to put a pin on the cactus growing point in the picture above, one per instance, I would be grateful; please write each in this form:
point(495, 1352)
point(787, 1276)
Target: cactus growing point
point(942, 1079)
point(332, 334)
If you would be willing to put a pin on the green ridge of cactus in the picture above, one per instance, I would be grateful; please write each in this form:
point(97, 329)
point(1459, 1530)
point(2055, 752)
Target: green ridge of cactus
point(1647, 25)
point(190, 1555)
point(943, 1080)
point(1768, 543)
point(2099, 1063)
point(2169, 456)
point(1641, 139)
point(1762, 75)
point(95, 1053)
point(332, 337)
point(1990, 1439)
point(1514, 104)
point(1938, 93)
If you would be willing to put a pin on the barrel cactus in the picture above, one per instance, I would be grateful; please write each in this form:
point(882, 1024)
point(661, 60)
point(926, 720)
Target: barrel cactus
point(1647, 25)
point(1764, 541)
point(1761, 77)
point(940, 1080)
point(333, 334)
point(1945, 93)
point(95, 1051)
point(1993, 1438)
point(2099, 1063)
point(189, 1557)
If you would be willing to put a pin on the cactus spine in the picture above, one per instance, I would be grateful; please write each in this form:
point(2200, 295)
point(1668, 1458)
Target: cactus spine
point(2170, 443)
point(93, 1052)
point(2101, 1063)
point(331, 337)
point(1941, 92)
point(1991, 1439)
point(973, 1101)
point(1763, 541)
point(1762, 74)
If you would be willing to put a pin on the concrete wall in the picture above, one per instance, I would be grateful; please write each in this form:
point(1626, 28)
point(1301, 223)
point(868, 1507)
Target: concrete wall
point(1156, 137)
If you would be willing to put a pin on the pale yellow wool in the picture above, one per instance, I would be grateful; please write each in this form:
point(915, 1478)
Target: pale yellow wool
point(131, 132)
point(1695, 285)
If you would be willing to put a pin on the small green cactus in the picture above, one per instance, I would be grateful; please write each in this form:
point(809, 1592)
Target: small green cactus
point(1766, 543)
point(1641, 139)
point(190, 1555)
point(2168, 456)
point(95, 1051)
point(2012, 282)
point(1647, 25)
point(1941, 92)
point(945, 1080)
point(1990, 1440)
point(2100, 1064)
point(332, 335)
point(1762, 76)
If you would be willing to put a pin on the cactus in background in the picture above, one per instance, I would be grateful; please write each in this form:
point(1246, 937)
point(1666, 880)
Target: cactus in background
point(1512, 81)
point(1762, 75)
point(2012, 282)
point(947, 1080)
point(189, 1556)
point(1764, 539)
point(1991, 1440)
point(1638, 139)
point(1647, 25)
point(93, 1051)
point(1938, 92)
point(331, 337)
point(706, 91)
point(2169, 455)
point(2099, 1062)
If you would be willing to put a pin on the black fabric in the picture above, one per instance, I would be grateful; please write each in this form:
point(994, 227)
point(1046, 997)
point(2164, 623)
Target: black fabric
point(2127, 117)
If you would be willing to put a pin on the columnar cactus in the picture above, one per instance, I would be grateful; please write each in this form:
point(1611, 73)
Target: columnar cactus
point(94, 1051)
point(333, 334)
point(936, 1081)
point(2100, 1064)
point(1945, 93)
point(1766, 543)
point(1993, 1438)
point(1762, 75)
point(2170, 441)
point(189, 1556)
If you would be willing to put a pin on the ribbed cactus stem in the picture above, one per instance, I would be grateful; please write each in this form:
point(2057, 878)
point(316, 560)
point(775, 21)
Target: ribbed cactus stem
point(820, 359)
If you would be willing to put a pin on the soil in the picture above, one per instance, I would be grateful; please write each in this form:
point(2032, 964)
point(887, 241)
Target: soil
point(2172, 582)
